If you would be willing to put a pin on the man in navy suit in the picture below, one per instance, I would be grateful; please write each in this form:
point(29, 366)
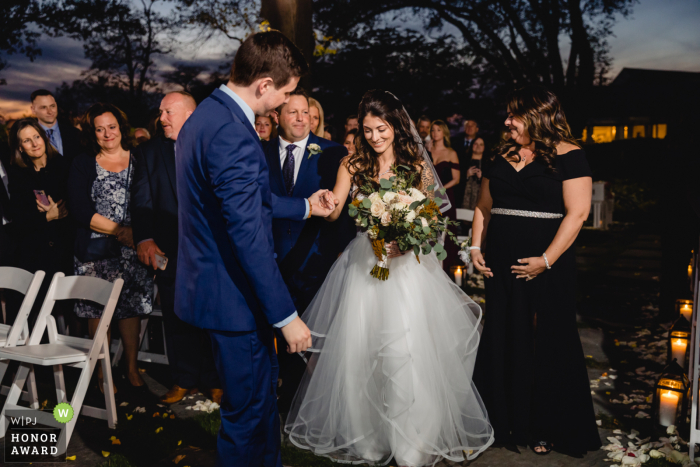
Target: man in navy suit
point(300, 164)
point(154, 222)
point(228, 281)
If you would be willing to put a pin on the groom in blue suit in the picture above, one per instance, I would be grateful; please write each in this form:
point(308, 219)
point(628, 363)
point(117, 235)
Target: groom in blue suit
point(228, 281)
point(300, 164)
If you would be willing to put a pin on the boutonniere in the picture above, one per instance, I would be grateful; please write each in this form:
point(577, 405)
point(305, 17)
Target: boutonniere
point(314, 149)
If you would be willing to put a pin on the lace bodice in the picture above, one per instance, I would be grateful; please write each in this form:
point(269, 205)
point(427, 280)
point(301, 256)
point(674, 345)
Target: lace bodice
point(427, 178)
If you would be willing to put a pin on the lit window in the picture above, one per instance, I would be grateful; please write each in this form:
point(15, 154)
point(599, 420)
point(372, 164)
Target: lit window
point(659, 131)
point(585, 135)
point(638, 131)
point(603, 134)
point(626, 132)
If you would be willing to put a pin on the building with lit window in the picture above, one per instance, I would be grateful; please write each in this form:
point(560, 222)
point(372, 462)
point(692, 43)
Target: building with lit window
point(642, 104)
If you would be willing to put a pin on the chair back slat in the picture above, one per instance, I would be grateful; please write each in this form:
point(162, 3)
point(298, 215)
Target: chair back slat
point(20, 328)
point(15, 279)
point(83, 288)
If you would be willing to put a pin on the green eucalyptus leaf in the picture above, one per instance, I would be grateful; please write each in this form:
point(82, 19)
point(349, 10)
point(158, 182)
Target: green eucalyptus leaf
point(366, 203)
point(386, 184)
point(427, 249)
point(426, 230)
point(441, 256)
point(414, 205)
point(416, 249)
point(442, 191)
point(431, 187)
point(438, 248)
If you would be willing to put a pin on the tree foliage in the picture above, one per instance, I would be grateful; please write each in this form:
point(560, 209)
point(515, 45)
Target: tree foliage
point(517, 41)
point(16, 33)
point(210, 19)
point(427, 74)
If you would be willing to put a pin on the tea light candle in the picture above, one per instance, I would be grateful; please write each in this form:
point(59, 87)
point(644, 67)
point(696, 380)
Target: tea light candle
point(687, 311)
point(667, 408)
point(458, 277)
point(678, 347)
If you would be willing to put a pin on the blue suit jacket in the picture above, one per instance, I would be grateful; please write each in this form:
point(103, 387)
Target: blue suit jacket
point(306, 249)
point(227, 277)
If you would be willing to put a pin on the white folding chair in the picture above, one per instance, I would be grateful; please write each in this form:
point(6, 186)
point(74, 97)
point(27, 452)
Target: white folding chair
point(144, 355)
point(466, 215)
point(65, 350)
point(28, 284)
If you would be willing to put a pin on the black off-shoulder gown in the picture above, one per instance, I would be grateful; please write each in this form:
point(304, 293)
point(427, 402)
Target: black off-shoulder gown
point(530, 369)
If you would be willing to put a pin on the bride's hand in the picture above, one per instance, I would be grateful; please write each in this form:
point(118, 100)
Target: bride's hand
point(480, 264)
point(392, 250)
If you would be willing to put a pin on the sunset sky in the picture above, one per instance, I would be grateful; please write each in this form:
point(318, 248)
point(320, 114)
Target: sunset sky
point(659, 35)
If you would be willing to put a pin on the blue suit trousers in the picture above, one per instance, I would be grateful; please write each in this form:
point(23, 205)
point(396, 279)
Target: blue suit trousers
point(250, 427)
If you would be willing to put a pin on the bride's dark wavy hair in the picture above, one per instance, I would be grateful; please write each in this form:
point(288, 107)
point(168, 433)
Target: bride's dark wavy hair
point(544, 120)
point(388, 108)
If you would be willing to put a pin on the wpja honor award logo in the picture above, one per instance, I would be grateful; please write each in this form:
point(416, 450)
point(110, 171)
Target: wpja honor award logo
point(35, 436)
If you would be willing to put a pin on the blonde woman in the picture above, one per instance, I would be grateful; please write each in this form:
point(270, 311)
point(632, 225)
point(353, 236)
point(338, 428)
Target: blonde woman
point(316, 118)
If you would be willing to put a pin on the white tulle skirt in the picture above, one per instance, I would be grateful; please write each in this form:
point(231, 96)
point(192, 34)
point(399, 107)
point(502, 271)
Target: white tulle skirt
point(390, 374)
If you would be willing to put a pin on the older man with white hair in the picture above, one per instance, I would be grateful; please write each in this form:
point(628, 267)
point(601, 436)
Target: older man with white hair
point(155, 227)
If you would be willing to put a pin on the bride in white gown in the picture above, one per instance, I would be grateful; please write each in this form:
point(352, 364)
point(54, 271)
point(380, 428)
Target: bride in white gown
point(390, 373)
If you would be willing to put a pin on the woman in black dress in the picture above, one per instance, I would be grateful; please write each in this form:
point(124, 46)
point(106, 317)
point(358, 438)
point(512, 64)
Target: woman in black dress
point(535, 196)
point(446, 164)
point(44, 231)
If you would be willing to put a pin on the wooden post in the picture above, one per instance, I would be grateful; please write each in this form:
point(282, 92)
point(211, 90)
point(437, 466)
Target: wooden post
point(294, 19)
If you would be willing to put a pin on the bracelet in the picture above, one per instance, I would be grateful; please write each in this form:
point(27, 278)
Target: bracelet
point(311, 208)
point(546, 263)
point(475, 248)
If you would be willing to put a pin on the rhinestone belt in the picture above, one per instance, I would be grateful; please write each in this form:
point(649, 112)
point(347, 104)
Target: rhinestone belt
point(517, 212)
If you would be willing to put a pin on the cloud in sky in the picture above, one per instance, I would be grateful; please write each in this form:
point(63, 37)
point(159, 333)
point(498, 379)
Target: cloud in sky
point(658, 35)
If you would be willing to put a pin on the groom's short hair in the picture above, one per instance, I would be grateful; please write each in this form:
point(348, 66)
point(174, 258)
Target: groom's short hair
point(268, 54)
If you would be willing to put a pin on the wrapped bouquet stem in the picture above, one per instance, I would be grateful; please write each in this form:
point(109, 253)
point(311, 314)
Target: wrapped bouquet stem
point(381, 269)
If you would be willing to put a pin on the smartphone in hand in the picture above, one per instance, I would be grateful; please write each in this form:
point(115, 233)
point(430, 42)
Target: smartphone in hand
point(41, 197)
point(161, 262)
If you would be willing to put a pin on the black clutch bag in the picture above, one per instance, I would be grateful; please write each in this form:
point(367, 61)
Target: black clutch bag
point(101, 248)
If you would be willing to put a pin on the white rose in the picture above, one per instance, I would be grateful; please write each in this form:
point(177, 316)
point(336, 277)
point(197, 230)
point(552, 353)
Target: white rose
point(389, 196)
point(360, 196)
point(399, 206)
point(407, 200)
point(386, 219)
point(374, 197)
point(411, 216)
point(424, 221)
point(378, 208)
point(416, 194)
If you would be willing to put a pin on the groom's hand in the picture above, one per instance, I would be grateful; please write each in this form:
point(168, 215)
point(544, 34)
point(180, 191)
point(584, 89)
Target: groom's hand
point(322, 203)
point(297, 336)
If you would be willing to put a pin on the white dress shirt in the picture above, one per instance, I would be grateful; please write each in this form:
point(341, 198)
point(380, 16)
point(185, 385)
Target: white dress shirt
point(298, 154)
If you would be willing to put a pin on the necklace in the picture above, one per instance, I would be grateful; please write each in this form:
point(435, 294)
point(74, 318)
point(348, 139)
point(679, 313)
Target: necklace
point(385, 172)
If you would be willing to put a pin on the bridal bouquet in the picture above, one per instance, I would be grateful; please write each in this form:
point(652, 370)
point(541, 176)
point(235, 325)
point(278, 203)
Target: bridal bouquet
point(398, 212)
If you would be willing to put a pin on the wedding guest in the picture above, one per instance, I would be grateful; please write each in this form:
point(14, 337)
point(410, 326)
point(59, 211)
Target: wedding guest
point(154, 214)
point(64, 137)
point(351, 123)
point(316, 117)
point(266, 128)
point(99, 200)
point(462, 143)
point(300, 165)
point(349, 142)
point(141, 135)
point(328, 132)
point(424, 128)
point(474, 173)
point(535, 196)
point(44, 234)
point(447, 166)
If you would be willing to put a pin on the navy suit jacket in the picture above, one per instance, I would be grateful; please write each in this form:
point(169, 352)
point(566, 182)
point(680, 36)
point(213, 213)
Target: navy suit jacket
point(154, 198)
point(227, 277)
point(306, 249)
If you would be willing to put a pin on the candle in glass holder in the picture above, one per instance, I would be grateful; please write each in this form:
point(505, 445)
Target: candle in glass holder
point(690, 272)
point(668, 405)
point(458, 276)
point(687, 311)
point(678, 347)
